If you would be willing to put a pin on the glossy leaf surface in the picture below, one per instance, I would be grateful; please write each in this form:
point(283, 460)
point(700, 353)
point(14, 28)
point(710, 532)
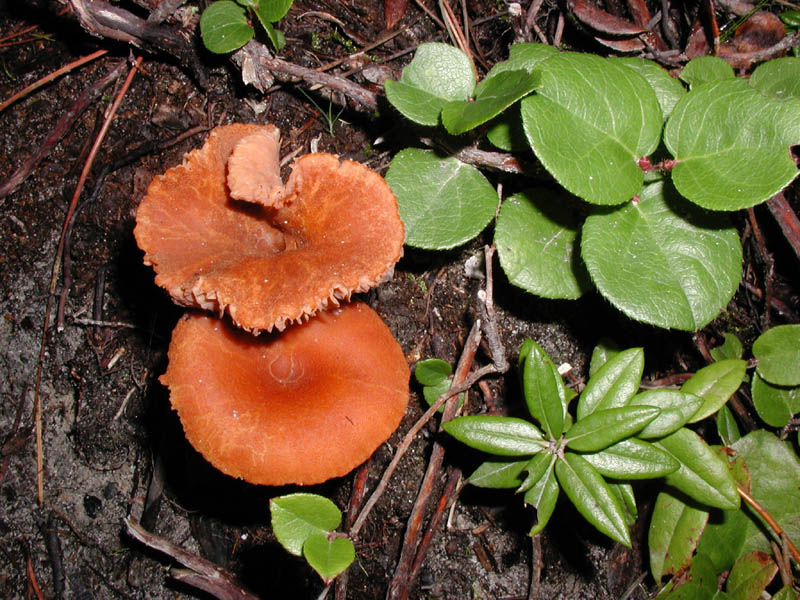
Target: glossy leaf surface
point(750, 576)
point(632, 459)
point(715, 384)
point(676, 410)
point(614, 384)
point(296, 517)
point(778, 354)
point(224, 27)
point(329, 556)
point(675, 528)
point(608, 426)
point(543, 494)
point(775, 405)
point(505, 436)
point(540, 385)
point(705, 69)
point(502, 475)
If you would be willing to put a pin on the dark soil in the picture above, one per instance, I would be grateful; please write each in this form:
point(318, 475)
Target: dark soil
point(113, 448)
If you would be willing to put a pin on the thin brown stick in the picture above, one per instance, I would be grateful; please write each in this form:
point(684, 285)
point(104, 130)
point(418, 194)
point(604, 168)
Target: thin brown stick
point(787, 220)
point(48, 78)
point(54, 279)
point(770, 520)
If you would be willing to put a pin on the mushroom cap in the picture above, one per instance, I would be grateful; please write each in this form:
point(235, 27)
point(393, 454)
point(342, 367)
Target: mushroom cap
point(300, 407)
point(332, 231)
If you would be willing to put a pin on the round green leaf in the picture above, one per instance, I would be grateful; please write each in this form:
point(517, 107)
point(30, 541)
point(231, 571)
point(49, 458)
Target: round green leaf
point(632, 459)
point(443, 202)
point(614, 384)
point(524, 56)
point(775, 405)
point(224, 27)
point(778, 354)
point(492, 96)
point(662, 261)
point(668, 89)
point(329, 557)
point(779, 77)
point(705, 69)
point(732, 144)
point(715, 384)
point(504, 436)
point(432, 371)
point(296, 517)
point(537, 242)
point(676, 410)
point(590, 494)
point(590, 122)
point(269, 11)
point(605, 427)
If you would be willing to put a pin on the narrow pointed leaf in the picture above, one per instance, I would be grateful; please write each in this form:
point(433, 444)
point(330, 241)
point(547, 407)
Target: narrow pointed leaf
point(676, 410)
point(675, 528)
point(604, 351)
point(543, 494)
point(614, 384)
point(663, 261)
point(295, 517)
point(504, 436)
point(537, 242)
point(632, 459)
point(501, 475)
point(624, 493)
point(778, 354)
point(605, 427)
point(750, 576)
point(537, 467)
point(702, 476)
point(727, 428)
point(590, 494)
point(715, 384)
point(329, 557)
point(589, 144)
point(540, 384)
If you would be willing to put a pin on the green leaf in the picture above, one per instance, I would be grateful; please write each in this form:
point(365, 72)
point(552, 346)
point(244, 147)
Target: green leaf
point(779, 77)
point(438, 74)
point(432, 371)
point(750, 576)
point(662, 261)
point(730, 348)
point(702, 476)
point(506, 133)
point(492, 96)
point(523, 56)
point(607, 426)
point(443, 202)
point(632, 459)
point(588, 143)
point(224, 27)
point(431, 393)
point(270, 11)
point(540, 385)
point(705, 69)
point(778, 354)
point(715, 384)
point(505, 436)
point(727, 428)
point(590, 494)
point(614, 384)
point(624, 493)
point(543, 494)
point(786, 593)
point(668, 89)
point(676, 410)
point(500, 475)
point(295, 517)
point(675, 528)
point(605, 350)
point(790, 18)
point(765, 457)
point(775, 405)
point(724, 538)
point(732, 144)
point(276, 37)
point(537, 242)
point(329, 557)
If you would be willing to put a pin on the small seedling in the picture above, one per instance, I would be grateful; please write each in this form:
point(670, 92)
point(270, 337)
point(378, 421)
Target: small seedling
point(225, 26)
point(305, 525)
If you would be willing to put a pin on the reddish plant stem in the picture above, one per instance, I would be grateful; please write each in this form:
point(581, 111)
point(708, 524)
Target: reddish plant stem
point(770, 520)
point(787, 219)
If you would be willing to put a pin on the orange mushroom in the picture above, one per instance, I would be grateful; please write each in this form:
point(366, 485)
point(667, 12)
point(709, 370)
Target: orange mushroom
point(301, 407)
point(267, 254)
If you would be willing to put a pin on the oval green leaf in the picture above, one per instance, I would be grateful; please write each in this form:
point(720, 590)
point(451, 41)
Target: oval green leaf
point(779, 77)
point(632, 459)
point(432, 371)
point(590, 494)
point(543, 494)
point(329, 557)
point(668, 89)
point(730, 348)
point(702, 476)
point(296, 517)
point(675, 528)
point(442, 201)
point(589, 124)
point(525, 56)
point(750, 576)
point(705, 69)
point(541, 385)
point(224, 27)
point(614, 384)
point(778, 354)
point(662, 261)
point(270, 11)
point(504, 436)
point(499, 475)
point(732, 144)
point(676, 410)
point(715, 384)
point(605, 427)
point(537, 242)
point(727, 429)
point(775, 405)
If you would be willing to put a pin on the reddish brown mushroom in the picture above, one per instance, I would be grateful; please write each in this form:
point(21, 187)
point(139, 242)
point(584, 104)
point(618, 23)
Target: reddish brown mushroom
point(300, 407)
point(332, 231)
